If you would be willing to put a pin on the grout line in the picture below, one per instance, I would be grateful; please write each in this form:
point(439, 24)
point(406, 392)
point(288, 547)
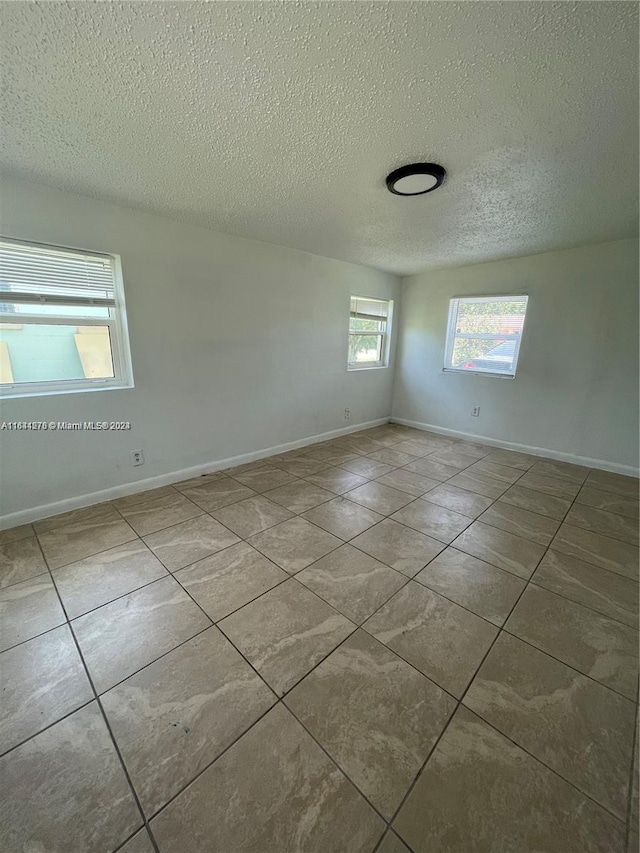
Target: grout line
point(475, 674)
point(152, 840)
point(634, 766)
point(49, 725)
point(102, 711)
point(544, 764)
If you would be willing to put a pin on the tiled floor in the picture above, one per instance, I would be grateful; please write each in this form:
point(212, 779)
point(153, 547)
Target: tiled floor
point(392, 642)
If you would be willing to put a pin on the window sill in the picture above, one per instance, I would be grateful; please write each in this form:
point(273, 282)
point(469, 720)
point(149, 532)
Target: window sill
point(367, 367)
point(478, 373)
point(42, 391)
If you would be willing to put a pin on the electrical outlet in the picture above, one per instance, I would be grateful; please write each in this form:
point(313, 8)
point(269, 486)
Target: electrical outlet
point(347, 414)
point(137, 458)
point(475, 411)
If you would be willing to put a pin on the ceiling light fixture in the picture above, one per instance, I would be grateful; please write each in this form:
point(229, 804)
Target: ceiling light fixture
point(415, 179)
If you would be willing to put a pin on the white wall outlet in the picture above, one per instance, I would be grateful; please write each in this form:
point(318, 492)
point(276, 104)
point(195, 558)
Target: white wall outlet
point(347, 414)
point(475, 411)
point(137, 458)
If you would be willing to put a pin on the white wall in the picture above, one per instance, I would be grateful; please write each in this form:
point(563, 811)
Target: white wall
point(237, 346)
point(576, 389)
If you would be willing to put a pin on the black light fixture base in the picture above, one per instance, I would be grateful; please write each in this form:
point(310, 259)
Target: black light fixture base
point(415, 169)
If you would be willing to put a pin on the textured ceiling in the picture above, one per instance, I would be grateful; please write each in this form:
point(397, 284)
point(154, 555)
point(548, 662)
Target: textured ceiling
point(279, 121)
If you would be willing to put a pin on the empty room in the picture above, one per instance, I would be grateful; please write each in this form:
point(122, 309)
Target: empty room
point(319, 368)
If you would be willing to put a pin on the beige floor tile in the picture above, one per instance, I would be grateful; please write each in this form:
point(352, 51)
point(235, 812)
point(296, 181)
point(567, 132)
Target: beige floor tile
point(619, 484)
point(390, 844)
point(158, 513)
point(458, 500)
point(42, 681)
point(479, 482)
point(406, 481)
point(375, 715)
point(78, 539)
point(125, 635)
point(200, 480)
point(14, 534)
point(504, 473)
point(441, 639)
point(432, 520)
point(455, 457)
point(299, 496)
point(428, 467)
point(521, 461)
point(633, 841)
point(294, 544)
point(415, 447)
point(20, 560)
point(96, 580)
point(352, 582)
point(554, 486)
point(604, 591)
point(140, 843)
point(332, 455)
point(572, 724)
point(185, 543)
point(255, 465)
point(564, 470)
point(627, 506)
point(230, 579)
point(359, 444)
point(365, 467)
point(275, 790)
point(264, 478)
point(605, 650)
point(128, 501)
point(404, 549)
point(27, 609)
point(285, 633)
point(473, 448)
point(379, 498)
point(521, 522)
point(65, 790)
point(104, 511)
point(612, 554)
point(485, 590)
point(500, 548)
point(175, 716)
point(535, 501)
point(393, 457)
point(606, 523)
point(336, 480)
point(299, 466)
point(251, 516)
point(343, 517)
point(218, 493)
point(453, 804)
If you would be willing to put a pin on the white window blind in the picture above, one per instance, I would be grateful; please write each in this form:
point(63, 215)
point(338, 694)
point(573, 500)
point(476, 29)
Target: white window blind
point(35, 274)
point(484, 334)
point(369, 309)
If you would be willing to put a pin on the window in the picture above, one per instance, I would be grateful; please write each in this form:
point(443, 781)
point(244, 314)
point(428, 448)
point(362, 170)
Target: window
point(484, 334)
point(369, 322)
point(62, 321)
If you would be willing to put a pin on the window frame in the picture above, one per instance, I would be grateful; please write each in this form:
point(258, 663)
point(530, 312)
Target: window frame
point(385, 335)
point(116, 322)
point(450, 340)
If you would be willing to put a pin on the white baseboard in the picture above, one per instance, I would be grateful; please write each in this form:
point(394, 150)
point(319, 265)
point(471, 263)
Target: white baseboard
point(601, 464)
point(45, 510)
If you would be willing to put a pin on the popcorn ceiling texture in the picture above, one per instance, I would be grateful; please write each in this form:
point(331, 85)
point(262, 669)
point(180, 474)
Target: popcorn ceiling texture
point(279, 121)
